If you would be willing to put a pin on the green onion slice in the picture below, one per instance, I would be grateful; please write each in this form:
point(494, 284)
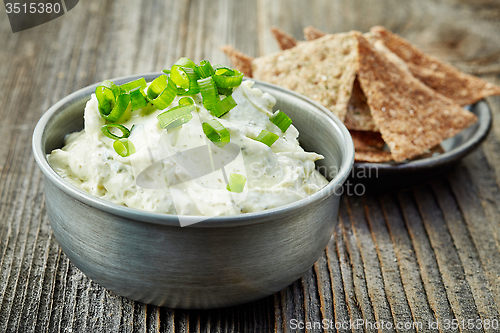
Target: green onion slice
point(134, 84)
point(216, 132)
point(205, 69)
point(224, 106)
point(179, 76)
point(226, 77)
point(267, 138)
point(121, 105)
point(106, 93)
point(209, 93)
point(138, 98)
point(124, 147)
point(185, 62)
point(106, 130)
point(176, 116)
point(236, 183)
point(186, 101)
point(281, 120)
point(161, 92)
point(225, 91)
point(192, 77)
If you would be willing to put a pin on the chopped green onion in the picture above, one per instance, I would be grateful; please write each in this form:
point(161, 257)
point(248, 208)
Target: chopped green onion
point(138, 98)
point(121, 105)
point(224, 106)
point(227, 78)
point(267, 138)
point(186, 101)
point(179, 76)
point(124, 147)
point(176, 116)
point(134, 84)
point(225, 91)
point(106, 93)
point(106, 130)
point(161, 92)
point(185, 62)
point(281, 120)
point(166, 71)
point(192, 77)
point(236, 183)
point(205, 69)
point(216, 132)
point(209, 93)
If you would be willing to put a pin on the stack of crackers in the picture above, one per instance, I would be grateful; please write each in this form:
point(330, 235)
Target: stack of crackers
point(388, 93)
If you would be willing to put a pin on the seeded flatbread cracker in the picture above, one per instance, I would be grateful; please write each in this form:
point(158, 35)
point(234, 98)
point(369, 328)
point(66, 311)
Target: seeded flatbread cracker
point(240, 61)
point(285, 41)
point(411, 117)
point(311, 33)
point(447, 80)
point(368, 147)
point(358, 116)
point(372, 156)
point(323, 69)
point(365, 140)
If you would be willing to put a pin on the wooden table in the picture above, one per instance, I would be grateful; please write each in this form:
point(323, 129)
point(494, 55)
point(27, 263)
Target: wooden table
point(424, 254)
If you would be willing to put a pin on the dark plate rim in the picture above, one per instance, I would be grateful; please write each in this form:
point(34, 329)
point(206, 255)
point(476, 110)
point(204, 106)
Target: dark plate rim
point(485, 119)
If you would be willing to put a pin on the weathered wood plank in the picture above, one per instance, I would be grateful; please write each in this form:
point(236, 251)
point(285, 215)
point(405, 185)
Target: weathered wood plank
point(481, 289)
point(371, 264)
point(392, 281)
point(452, 272)
point(337, 287)
point(429, 269)
point(408, 265)
point(466, 194)
point(358, 274)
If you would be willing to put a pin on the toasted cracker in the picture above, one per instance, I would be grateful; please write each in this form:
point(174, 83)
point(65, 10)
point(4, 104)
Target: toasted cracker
point(431, 152)
point(285, 41)
point(411, 116)
point(358, 116)
point(240, 61)
point(366, 140)
point(323, 69)
point(372, 156)
point(311, 33)
point(369, 146)
point(447, 80)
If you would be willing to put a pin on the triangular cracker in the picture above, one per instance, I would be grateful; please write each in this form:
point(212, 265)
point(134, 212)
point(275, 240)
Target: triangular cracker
point(311, 33)
point(240, 61)
point(366, 140)
point(323, 69)
point(285, 41)
point(411, 116)
point(372, 156)
point(358, 116)
point(447, 80)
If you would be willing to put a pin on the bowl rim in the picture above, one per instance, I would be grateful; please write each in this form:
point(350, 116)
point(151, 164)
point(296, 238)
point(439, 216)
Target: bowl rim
point(171, 219)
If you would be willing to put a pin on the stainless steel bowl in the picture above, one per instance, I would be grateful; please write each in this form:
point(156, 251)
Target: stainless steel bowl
point(218, 262)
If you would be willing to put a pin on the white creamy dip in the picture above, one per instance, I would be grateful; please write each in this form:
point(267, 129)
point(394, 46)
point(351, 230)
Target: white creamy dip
point(276, 175)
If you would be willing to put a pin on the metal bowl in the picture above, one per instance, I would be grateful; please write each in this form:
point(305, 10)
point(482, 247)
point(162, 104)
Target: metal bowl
point(221, 261)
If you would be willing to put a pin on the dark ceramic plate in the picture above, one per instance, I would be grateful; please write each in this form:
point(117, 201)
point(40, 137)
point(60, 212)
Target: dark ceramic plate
point(392, 174)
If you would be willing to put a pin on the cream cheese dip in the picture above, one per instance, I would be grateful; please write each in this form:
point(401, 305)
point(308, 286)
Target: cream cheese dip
point(277, 175)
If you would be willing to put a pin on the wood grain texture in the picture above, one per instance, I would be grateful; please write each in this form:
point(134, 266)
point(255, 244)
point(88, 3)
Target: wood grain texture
point(420, 255)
